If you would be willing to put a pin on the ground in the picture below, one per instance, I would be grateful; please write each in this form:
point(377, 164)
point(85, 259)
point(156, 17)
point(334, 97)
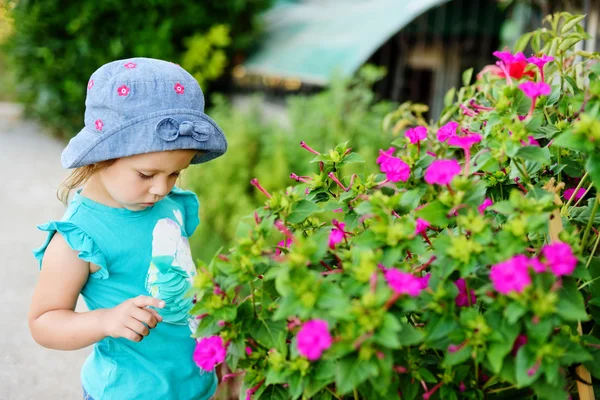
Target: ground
point(30, 172)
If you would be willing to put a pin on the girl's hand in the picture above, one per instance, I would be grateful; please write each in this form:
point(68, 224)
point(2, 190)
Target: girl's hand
point(132, 319)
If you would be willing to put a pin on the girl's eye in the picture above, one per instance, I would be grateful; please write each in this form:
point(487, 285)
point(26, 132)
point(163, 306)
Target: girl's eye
point(145, 177)
point(175, 174)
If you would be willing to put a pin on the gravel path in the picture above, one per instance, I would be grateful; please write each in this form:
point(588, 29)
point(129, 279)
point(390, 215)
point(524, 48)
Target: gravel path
point(30, 172)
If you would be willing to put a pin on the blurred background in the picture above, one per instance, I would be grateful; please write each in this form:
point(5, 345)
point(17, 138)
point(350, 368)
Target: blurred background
point(274, 72)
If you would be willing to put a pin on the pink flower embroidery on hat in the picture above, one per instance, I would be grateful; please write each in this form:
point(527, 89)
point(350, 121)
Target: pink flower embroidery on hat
point(99, 124)
point(179, 88)
point(90, 84)
point(130, 65)
point(123, 90)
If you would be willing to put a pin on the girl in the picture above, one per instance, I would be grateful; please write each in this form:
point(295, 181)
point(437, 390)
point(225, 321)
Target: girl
point(122, 242)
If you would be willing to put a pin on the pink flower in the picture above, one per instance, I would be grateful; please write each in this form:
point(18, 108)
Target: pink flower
point(462, 299)
point(530, 142)
point(209, 352)
point(536, 265)
point(512, 66)
point(99, 124)
point(559, 257)
point(179, 88)
point(464, 142)
point(533, 90)
point(416, 134)
point(447, 131)
point(248, 351)
point(285, 244)
point(90, 84)
point(510, 276)
point(403, 282)
point(395, 169)
point(540, 61)
point(442, 172)
point(569, 193)
point(422, 226)
point(486, 203)
point(313, 338)
point(424, 280)
point(336, 235)
point(123, 90)
point(384, 155)
point(130, 65)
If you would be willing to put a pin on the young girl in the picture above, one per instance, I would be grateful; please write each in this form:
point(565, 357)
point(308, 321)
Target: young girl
point(123, 240)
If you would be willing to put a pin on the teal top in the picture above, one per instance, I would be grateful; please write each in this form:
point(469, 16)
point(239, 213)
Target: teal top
point(139, 253)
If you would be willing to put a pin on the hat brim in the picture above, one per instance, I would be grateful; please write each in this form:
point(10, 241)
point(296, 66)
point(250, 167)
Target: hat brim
point(139, 136)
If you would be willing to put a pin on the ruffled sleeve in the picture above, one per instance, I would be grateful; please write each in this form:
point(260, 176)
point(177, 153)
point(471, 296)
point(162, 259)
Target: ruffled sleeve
point(191, 205)
point(78, 240)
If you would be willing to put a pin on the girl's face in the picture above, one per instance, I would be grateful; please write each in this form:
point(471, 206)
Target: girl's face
point(139, 181)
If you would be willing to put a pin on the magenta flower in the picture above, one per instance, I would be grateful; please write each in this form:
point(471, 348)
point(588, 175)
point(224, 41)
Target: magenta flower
point(210, 352)
point(464, 142)
point(486, 203)
point(512, 66)
point(530, 142)
point(90, 84)
point(570, 191)
point(425, 280)
point(337, 234)
point(415, 135)
point(447, 131)
point(422, 226)
point(313, 339)
point(130, 65)
point(285, 244)
point(385, 154)
point(403, 282)
point(123, 90)
point(462, 299)
point(248, 351)
point(395, 169)
point(99, 124)
point(559, 257)
point(533, 91)
point(442, 172)
point(179, 88)
point(510, 276)
point(540, 62)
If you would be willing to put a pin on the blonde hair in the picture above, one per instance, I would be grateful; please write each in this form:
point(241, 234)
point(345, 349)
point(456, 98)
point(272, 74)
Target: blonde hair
point(78, 177)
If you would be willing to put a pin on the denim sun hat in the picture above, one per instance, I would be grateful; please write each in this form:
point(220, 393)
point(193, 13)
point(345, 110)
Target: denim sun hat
point(143, 105)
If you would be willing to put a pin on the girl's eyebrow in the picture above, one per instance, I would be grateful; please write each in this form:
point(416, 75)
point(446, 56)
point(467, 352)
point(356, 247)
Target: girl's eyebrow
point(153, 170)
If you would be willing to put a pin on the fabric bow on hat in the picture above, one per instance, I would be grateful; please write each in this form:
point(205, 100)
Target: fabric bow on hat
point(170, 129)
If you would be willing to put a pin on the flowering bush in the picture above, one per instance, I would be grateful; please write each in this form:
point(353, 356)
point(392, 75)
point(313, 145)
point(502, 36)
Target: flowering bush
point(463, 268)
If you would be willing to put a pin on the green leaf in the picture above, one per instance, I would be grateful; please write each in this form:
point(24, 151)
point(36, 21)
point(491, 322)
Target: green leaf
point(514, 311)
point(570, 302)
point(270, 334)
point(593, 167)
point(302, 210)
point(435, 213)
point(388, 332)
point(496, 353)
point(458, 357)
point(573, 141)
point(571, 23)
point(352, 158)
point(534, 153)
point(440, 327)
point(522, 42)
point(274, 392)
point(525, 363)
point(466, 76)
point(449, 97)
point(410, 335)
point(351, 372)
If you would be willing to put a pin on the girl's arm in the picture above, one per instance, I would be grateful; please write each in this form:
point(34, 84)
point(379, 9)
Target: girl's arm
point(54, 323)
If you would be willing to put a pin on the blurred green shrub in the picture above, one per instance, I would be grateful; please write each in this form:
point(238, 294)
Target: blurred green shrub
point(347, 110)
point(56, 45)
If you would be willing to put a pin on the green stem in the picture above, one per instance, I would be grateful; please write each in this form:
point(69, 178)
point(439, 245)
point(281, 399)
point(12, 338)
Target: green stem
point(355, 394)
point(591, 220)
point(333, 393)
point(490, 382)
point(566, 206)
point(522, 171)
point(501, 389)
point(593, 252)
point(253, 301)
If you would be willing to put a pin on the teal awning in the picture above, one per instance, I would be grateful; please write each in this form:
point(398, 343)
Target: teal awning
point(312, 39)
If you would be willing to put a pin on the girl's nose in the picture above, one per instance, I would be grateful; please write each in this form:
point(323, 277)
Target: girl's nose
point(159, 188)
